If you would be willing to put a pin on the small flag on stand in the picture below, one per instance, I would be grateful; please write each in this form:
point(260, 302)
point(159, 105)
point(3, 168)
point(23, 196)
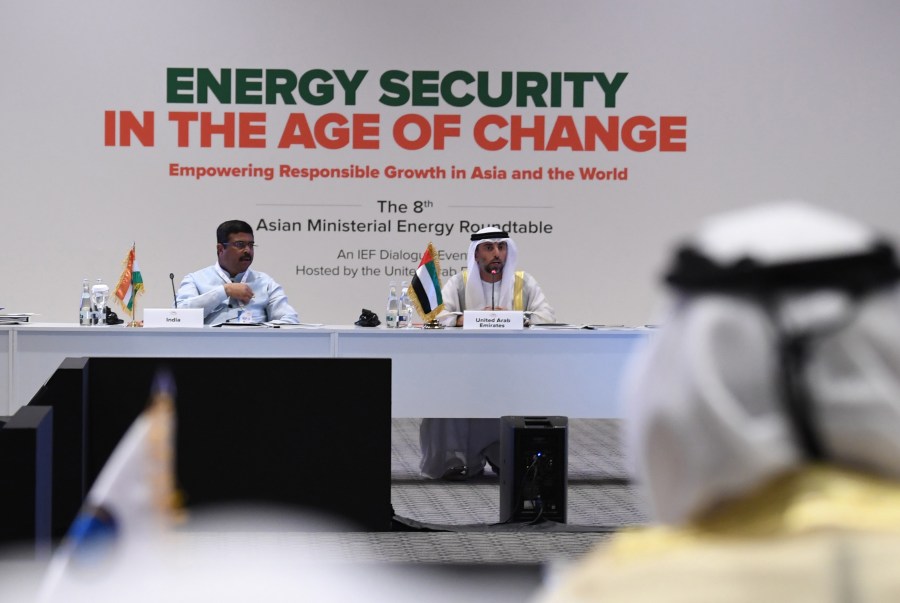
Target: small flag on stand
point(130, 283)
point(425, 290)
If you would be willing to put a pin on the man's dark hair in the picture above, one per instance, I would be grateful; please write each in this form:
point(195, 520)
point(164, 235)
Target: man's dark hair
point(231, 227)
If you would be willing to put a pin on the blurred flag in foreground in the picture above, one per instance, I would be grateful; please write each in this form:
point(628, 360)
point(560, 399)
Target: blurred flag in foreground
point(130, 283)
point(133, 500)
point(425, 290)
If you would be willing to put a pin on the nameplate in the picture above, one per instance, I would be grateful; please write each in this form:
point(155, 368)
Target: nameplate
point(493, 320)
point(172, 317)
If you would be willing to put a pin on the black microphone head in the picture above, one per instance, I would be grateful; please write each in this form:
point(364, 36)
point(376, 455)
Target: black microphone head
point(172, 275)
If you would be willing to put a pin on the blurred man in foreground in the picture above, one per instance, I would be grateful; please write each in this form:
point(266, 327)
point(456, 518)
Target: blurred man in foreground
point(763, 420)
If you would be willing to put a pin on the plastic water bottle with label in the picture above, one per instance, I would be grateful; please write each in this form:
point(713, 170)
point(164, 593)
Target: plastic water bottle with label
point(405, 317)
point(392, 315)
point(85, 312)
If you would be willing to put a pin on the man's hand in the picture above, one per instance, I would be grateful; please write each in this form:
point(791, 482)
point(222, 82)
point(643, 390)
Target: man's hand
point(239, 291)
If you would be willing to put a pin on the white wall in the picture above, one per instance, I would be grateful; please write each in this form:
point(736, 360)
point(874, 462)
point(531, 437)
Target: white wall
point(782, 100)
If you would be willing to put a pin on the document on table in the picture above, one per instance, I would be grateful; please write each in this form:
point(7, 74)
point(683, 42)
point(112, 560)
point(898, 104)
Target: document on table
point(15, 319)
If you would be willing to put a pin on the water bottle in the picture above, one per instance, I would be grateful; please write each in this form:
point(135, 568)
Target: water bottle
point(392, 314)
point(405, 317)
point(85, 313)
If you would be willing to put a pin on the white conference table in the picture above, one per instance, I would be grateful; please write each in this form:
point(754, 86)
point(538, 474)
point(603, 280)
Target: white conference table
point(435, 373)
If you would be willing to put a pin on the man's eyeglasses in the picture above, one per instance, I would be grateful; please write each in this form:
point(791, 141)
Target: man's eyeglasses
point(241, 244)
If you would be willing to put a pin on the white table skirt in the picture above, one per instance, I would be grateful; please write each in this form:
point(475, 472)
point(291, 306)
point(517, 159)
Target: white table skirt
point(436, 373)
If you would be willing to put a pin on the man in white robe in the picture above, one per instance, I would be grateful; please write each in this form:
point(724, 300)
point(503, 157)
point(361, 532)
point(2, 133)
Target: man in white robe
point(460, 448)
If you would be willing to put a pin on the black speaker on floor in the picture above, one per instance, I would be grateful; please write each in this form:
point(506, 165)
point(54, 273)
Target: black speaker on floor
point(533, 468)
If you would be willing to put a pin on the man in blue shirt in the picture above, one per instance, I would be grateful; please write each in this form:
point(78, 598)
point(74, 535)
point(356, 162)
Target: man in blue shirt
point(229, 291)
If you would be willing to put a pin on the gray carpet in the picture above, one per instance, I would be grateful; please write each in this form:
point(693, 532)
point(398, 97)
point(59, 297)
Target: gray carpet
point(461, 517)
point(600, 500)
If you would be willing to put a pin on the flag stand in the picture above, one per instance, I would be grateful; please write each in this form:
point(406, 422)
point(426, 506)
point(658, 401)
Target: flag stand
point(128, 273)
point(133, 322)
point(432, 324)
point(134, 296)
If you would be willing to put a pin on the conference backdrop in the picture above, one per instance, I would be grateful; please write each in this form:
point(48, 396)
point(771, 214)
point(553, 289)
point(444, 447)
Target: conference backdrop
point(351, 134)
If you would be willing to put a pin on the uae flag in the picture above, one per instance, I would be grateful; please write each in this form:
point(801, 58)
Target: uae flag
point(130, 283)
point(425, 290)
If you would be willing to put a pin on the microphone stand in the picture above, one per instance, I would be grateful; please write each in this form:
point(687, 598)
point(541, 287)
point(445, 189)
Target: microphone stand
point(493, 282)
point(174, 296)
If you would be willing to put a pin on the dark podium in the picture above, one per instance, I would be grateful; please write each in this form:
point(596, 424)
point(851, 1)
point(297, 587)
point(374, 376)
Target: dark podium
point(306, 433)
point(309, 434)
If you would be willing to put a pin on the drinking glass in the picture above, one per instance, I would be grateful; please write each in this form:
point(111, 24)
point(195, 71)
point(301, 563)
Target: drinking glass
point(99, 296)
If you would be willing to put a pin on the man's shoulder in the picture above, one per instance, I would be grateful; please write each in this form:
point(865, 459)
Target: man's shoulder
point(203, 272)
point(457, 278)
point(529, 283)
point(525, 276)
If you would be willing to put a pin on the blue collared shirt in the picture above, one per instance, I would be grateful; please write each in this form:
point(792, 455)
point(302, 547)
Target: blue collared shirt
point(206, 289)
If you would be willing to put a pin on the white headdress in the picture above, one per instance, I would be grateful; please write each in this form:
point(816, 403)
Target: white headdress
point(475, 299)
point(782, 344)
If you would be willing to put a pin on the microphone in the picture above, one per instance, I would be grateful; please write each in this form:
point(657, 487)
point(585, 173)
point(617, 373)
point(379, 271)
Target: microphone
point(174, 297)
point(493, 281)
